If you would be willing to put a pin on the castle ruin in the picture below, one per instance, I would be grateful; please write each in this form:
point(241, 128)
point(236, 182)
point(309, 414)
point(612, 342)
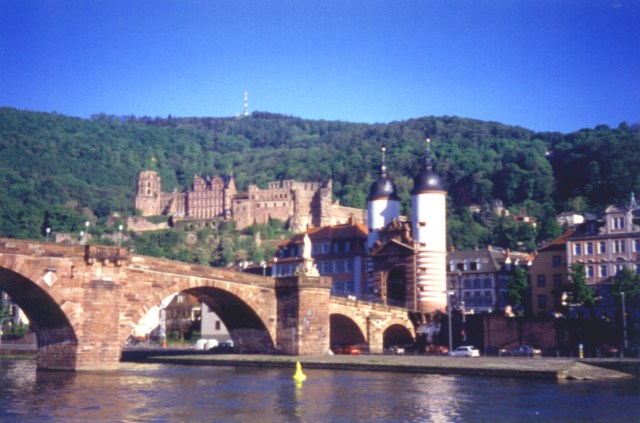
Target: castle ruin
point(300, 204)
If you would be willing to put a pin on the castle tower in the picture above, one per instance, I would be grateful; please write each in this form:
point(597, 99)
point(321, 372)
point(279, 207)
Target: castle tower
point(383, 204)
point(149, 193)
point(428, 204)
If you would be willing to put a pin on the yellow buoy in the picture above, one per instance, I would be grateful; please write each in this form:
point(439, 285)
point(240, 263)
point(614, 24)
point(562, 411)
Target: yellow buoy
point(299, 376)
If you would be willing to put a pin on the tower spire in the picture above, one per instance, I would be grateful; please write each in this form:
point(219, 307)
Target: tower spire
point(246, 103)
point(428, 164)
point(383, 167)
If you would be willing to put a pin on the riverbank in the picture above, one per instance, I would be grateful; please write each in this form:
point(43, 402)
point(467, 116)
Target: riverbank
point(530, 368)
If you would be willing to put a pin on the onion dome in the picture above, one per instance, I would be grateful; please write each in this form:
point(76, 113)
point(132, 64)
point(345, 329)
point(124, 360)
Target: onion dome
point(427, 179)
point(383, 188)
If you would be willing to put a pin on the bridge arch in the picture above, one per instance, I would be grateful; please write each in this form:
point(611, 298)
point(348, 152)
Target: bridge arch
point(396, 333)
point(343, 330)
point(52, 323)
point(248, 311)
point(246, 328)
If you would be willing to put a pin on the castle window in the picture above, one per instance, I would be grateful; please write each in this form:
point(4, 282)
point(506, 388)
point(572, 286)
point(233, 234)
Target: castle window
point(348, 265)
point(618, 268)
point(619, 246)
point(617, 223)
point(589, 248)
point(603, 270)
point(577, 249)
point(349, 286)
point(602, 247)
point(542, 281)
point(636, 245)
point(556, 261)
point(347, 245)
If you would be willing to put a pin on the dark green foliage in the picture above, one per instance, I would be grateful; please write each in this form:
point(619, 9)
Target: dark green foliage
point(577, 291)
point(57, 171)
point(518, 289)
point(628, 282)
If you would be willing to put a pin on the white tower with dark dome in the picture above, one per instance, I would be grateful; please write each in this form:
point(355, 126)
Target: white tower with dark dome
point(383, 204)
point(429, 228)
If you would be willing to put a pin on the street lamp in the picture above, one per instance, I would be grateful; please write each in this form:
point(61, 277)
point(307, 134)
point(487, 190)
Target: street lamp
point(273, 268)
point(48, 231)
point(120, 236)
point(464, 322)
point(624, 320)
point(86, 234)
point(264, 268)
point(449, 294)
point(81, 237)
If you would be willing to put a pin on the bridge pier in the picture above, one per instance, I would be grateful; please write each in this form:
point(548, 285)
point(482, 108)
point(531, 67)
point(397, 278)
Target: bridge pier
point(375, 333)
point(96, 342)
point(303, 315)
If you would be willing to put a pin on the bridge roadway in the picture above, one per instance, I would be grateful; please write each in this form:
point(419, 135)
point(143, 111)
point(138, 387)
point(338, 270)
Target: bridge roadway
point(83, 302)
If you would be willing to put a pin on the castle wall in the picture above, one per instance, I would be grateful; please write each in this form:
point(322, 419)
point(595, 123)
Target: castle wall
point(301, 204)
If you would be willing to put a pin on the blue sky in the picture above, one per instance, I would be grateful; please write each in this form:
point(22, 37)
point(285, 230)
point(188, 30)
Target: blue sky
point(547, 65)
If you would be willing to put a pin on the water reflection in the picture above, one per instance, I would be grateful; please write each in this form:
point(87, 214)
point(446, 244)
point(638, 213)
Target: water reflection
point(154, 393)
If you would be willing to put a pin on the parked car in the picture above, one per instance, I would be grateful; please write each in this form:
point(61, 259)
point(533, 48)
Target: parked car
point(398, 349)
point(226, 347)
point(491, 350)
point(347, 350)
point(465, 351)
point(524, 351)
point(608, 351)
point(436, 350)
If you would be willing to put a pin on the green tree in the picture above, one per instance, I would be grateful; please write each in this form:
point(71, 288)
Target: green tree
point(518, 289)
point(627, 281)
point(578, 292)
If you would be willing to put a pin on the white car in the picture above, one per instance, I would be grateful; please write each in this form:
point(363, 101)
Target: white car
point(465, 351)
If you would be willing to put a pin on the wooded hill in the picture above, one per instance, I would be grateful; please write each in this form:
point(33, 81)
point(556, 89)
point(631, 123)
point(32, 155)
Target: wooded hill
point(58, 171)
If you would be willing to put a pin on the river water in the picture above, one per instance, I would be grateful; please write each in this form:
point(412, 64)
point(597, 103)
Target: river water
point(171, 393)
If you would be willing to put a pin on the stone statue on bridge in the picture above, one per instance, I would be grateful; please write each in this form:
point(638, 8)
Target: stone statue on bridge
point(308, 266)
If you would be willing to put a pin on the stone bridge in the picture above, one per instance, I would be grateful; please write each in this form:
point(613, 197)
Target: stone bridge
point(83, 301)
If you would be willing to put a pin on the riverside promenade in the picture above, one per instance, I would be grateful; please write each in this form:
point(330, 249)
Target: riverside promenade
point(530, 368)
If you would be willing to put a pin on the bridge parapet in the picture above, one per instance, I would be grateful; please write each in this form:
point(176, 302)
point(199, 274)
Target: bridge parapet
point(40, 249)
point(106, 254)
point(345, 301)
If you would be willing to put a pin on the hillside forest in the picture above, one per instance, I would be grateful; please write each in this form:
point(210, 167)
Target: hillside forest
point(58, 172)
